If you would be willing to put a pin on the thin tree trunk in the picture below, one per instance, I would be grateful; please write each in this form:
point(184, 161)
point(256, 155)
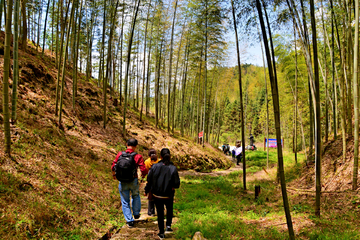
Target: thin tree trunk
point(325, 82)
point(266, 100)
point(6, 70)
point(170, 67)
point(157, 85)
point(333, 76)
point(342, 100)
point(276, 104)
point(121, 50)
point(301, 123)
point(46, 16)
point(356, 97)
point(296, 100)
point(52, 27)
point(102, 49)
point(108, 62)
point(184, 88)
point(59, 23)
point(241, 96)
point(317, 113)
point(175, 80)
point(39, 27)
point(144, 62)
point(147, 102)
point(24, 31)
point(205, 84)
point(68, 36)
point(16, 62)
point(128, 64)
point(60, 60)
point(2, 2)
point(77, 51)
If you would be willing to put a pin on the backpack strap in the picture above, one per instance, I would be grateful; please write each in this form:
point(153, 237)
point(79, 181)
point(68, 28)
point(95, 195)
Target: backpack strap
point(133, 154)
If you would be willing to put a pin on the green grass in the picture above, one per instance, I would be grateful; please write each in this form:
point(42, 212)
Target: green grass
point(217, 207)
point(220, 209)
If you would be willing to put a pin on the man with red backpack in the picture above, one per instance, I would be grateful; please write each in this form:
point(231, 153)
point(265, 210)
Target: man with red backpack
point(124, 169)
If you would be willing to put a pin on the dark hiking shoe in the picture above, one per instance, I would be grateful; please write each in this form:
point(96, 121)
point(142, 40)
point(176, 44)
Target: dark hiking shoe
point(161, 235)
point(136, 216)
point(130, 224)
point(168, 229)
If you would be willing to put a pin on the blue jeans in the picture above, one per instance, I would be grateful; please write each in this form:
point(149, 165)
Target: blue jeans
point(124, 189)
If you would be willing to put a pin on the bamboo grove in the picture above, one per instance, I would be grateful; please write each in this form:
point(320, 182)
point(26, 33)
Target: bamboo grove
point(170, 60)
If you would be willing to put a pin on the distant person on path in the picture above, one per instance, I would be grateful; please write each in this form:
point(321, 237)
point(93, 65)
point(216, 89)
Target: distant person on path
point(124, 168)
point(163, 178)
point(227, 149)
point(223, 148)
point(153, 159)
point(251, 140)
point(238, 152)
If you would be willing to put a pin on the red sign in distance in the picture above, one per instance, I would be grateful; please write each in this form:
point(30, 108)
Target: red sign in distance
point(201, 134)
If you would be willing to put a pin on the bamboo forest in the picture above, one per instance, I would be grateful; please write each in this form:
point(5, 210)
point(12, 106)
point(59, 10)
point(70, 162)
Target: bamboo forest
point(241, 117)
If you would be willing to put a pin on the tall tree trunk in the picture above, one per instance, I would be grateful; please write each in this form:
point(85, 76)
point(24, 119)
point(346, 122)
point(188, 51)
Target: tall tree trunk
point(266, 99)
point(46, 16)
point(68, 36)
point(241, 96)
point(73, 53)
point(58, 23)
point(6, 70)
point(184, 88)
point(333, 75)
point(39, 27)
point(147, 102)
point(144, 62)
point(108, 61)
point(157, 85)
point(16, 62)
point(52, 27)
point(276, 104)
point(342, 87)
point(205, 80)
point(77, 51)
point(198, 101)
point(170, 67)
point(296, 98)
point(128, 64)
point(2, 2)
point(317, 113)
point(102, 49)
point(25, 29)
point(121, 50)
point(325, 82)
point(175, 81)
point(356, 97)
point(60, 60)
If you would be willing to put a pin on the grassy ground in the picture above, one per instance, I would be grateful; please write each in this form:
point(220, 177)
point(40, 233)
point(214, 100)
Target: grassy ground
point(220, 209)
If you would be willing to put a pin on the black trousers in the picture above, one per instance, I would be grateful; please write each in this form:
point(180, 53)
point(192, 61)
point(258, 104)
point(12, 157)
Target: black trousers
point(238, 158)
point(151, 207)
point(159, 203)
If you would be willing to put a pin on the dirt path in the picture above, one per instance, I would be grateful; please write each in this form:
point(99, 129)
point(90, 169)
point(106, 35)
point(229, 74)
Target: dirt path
point(146, 227)
point(263, 174)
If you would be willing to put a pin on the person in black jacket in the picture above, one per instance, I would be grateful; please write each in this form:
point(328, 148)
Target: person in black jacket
point(162, 180)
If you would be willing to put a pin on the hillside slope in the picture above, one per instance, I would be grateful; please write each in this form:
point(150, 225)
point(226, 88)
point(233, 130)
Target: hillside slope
point(336, 174)
point(57, 184)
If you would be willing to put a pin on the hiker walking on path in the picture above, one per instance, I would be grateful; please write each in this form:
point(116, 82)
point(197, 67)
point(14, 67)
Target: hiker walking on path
point(124, 169)
point(153, 159)
point(163, 178)
point(238, 152)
